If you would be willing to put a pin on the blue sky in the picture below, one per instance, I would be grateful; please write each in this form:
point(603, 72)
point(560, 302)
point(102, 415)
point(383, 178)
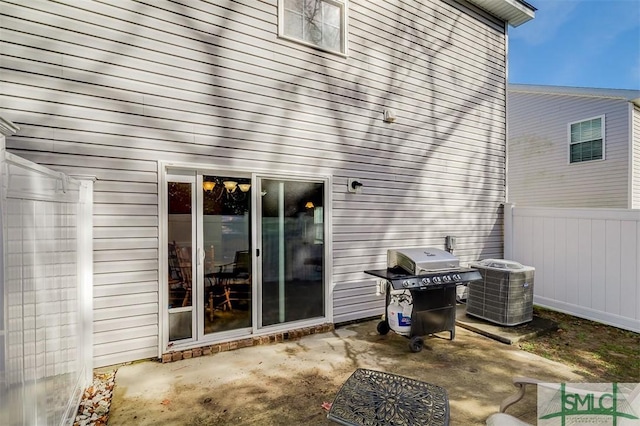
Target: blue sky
point(582, 43)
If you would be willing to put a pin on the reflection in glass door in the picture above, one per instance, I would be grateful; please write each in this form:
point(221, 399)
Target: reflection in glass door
point(292, 251)
point(226, 225)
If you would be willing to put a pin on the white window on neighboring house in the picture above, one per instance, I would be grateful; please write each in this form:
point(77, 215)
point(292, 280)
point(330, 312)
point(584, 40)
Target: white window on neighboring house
point(586, 140)
point(319, 23)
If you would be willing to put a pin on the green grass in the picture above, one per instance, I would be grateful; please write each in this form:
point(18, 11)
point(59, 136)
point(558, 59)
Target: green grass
point(600, 352)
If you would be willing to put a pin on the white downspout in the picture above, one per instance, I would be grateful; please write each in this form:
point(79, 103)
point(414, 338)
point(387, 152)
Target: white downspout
point(508, 230)
point(507, 211)
point(631, 174)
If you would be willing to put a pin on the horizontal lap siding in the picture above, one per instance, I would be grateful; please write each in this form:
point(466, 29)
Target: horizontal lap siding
point(539, 173)
point(431, 195)
point(109, 89)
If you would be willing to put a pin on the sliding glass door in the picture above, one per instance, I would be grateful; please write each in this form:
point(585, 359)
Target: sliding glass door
point(292, 241)
point(239, 259)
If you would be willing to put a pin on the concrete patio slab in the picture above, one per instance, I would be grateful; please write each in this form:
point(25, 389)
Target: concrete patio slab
point(287, 383)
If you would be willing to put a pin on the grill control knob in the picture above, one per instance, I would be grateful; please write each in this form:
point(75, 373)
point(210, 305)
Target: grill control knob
point(426, 281)
point(457, 277)
point(436, 279)
point(405, 283)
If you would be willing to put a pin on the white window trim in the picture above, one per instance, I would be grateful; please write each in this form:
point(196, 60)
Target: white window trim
point(603, 130)
point(345, 31)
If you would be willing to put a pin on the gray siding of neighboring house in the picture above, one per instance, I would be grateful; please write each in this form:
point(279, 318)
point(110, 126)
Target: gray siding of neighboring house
point(539, 173)
point(110, 88)
point(635, 189)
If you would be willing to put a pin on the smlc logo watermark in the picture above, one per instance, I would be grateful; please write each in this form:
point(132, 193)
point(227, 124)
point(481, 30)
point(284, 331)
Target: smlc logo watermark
point(563, 404)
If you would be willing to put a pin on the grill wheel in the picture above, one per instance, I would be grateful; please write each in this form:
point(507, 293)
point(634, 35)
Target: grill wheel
point(416, 344)
point(383, 327)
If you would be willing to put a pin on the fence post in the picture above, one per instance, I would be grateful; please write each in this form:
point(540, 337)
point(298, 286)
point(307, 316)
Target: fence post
point(508, 230)
point(85, 274)
point(7, 128)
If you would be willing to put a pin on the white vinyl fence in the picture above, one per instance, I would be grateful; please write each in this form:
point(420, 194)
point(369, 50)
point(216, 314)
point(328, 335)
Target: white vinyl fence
point(44, 315)
point(587, 260)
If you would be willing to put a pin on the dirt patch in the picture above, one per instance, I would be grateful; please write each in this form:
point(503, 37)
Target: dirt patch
point(599, 352)
point(254, 401)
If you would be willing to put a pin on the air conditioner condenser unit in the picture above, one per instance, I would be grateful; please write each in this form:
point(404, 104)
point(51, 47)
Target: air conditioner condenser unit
point(504, 295)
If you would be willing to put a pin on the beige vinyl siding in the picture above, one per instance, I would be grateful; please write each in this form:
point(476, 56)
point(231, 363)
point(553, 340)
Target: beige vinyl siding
point(635, 164)
point(110, 88)
point(539, 169)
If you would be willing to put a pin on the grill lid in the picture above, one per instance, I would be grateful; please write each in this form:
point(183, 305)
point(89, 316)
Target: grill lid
point(417, 261)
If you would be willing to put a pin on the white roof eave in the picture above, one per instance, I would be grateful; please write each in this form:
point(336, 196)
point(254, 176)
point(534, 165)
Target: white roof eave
point(515, 12)
point(630, 95)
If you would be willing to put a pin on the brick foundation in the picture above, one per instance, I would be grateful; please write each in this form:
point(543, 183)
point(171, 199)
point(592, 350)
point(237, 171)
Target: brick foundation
point(246, 342)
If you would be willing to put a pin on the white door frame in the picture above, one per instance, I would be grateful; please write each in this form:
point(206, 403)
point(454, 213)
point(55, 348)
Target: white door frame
point(194, 173)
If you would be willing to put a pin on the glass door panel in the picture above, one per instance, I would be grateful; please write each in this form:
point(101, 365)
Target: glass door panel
point(180, 254)
point(226, 225)
point(292, 251)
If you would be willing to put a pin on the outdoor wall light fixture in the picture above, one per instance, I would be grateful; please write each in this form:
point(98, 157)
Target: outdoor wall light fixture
point(208, 185)
point(389, 115)
point(354, 185)
point(244, 187)
point(309, 205)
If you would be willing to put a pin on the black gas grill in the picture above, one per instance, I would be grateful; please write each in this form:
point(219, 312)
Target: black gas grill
point(422, 281)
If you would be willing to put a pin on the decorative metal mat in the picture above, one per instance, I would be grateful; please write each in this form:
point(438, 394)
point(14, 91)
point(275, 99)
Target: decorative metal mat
point(374, 398)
